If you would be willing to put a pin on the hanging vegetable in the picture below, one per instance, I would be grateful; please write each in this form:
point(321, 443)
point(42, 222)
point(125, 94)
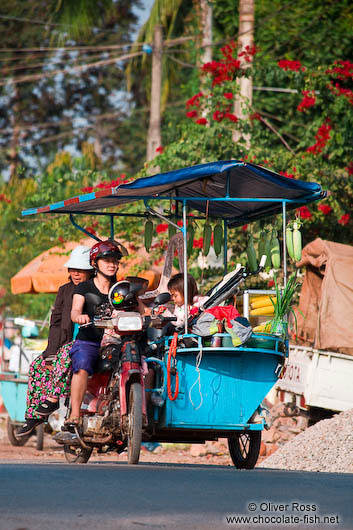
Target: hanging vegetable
point(148, 234)
point(297, 241)
point(275, 250)
point(171, 229)
point(207, 235)
point(267, 251)
point(250, 251)
point(218, 238)
point(261, 246)
point(289, 240)
point(190, 230)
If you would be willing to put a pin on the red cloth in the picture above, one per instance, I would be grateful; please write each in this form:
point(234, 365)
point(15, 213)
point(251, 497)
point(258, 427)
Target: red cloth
point(228, 312)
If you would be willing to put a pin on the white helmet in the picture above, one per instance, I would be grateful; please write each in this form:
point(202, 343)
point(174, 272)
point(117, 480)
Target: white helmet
point(79, 258)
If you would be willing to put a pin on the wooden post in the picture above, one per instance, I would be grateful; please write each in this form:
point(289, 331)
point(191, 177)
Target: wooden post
point(246, 38)
point(154, 130)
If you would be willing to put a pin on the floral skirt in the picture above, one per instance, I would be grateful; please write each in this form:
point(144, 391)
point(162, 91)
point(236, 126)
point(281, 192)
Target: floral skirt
point(44, 380)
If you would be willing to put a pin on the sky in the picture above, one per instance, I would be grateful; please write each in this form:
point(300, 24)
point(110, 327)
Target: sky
point(145, 11)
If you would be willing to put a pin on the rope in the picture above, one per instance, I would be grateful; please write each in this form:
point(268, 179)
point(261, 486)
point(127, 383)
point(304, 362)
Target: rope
point(172, 352)
point(198, 379)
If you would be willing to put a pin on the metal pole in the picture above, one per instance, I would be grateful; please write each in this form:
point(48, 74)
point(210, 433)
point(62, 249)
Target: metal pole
point(185, 268)
point(284, 221)
point(225, 246)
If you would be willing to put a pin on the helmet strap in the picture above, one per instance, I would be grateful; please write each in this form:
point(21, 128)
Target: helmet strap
point(106, 276)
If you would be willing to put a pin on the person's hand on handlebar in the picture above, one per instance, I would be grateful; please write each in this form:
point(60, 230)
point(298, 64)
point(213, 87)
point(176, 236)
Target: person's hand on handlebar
point(82, 319)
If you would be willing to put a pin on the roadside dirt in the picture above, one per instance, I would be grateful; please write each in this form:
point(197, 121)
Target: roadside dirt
point(52, 452)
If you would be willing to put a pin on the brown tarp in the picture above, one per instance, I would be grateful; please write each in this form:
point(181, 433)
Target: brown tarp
point(326, 298)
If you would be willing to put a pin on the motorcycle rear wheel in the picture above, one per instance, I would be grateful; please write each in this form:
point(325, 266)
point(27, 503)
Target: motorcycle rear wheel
point(77, 455)
point(134, 424)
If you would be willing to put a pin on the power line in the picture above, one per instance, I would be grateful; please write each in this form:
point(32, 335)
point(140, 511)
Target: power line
point(81, 68)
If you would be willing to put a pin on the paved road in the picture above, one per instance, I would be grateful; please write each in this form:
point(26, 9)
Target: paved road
point(106, 496)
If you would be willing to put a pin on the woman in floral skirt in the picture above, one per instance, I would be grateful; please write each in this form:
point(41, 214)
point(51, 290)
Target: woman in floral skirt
point(49, 374)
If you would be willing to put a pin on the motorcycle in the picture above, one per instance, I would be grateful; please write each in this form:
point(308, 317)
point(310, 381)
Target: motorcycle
point(113, 411)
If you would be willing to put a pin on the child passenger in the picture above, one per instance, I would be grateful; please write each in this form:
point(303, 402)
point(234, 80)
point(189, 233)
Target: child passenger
point(176, 288)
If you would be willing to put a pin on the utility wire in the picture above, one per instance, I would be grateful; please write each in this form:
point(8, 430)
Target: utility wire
point(81, 68)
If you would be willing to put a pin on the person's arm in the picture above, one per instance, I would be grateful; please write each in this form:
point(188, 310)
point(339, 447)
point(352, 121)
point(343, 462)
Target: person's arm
point(55, 325)
point(78, 301)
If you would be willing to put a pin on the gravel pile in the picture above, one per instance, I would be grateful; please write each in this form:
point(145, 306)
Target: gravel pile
point(326, 446)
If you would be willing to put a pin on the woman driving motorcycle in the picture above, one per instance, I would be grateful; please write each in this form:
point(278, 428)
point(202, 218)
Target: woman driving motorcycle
point(104, 258)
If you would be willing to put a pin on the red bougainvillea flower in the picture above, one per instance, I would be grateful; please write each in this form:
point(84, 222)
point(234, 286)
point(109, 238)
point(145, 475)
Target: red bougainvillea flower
point(304, 212)
point(307, 101)
point(322, 137)
point(255, 116)
point(201, 121)
point(291, 65)
point(198, 243)
point(228, 95)
point(224, 70)
point(325, 209)
point(218, 115)
point(88, 189)
point(288, 175)
point(191, 114)
point(194, 101)
point(4, 199)
point(163, 227)
point(91, 230)
point(231, 117)
point(244, 228)
point(160, 149)
point(340, 91)
point(342, 69)
point(344, 219)
point(349, 168)
point(61, 239)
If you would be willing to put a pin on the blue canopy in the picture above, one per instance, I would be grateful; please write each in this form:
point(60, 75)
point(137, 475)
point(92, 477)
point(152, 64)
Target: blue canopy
point(239, 192)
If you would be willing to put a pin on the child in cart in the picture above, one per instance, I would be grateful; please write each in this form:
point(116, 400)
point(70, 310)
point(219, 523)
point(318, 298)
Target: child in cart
point(176, 289)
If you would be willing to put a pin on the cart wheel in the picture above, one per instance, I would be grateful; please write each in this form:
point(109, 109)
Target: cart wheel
point(77, 455)
point(40, 437)
point(134, 424)
point(12, 428)
point(244, 449)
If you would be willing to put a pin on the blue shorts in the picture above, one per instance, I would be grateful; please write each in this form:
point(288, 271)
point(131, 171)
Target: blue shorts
point(84, 356)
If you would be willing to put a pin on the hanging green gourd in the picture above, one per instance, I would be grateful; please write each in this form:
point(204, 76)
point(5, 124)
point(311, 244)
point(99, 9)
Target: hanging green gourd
point(190, 230)
point(261, 246)
point(251, 253)
point(275, 250)
point(218, 238)
point(148, 234)
point(297, 241)
point(171, 229)
point(289, 240)
point(267, 251)
point(207, 236)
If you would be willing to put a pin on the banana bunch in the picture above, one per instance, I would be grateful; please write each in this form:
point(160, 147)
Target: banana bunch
point(262, 305)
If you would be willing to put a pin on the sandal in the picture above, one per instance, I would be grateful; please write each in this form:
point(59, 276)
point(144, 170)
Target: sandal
point(47, 407)
point(28, 427)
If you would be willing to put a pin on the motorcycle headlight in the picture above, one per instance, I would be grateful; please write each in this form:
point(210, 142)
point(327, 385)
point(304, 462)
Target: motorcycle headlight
point(128, 322)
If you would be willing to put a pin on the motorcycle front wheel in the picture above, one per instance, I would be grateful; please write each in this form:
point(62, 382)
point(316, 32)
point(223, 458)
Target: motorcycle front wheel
point(134, 437)
point(77, 455)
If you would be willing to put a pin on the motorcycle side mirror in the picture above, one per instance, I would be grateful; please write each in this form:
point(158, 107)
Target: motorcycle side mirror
point(162, 298)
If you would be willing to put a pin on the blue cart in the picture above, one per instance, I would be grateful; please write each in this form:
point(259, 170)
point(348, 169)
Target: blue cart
point(221, 387)
point(14, 381)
